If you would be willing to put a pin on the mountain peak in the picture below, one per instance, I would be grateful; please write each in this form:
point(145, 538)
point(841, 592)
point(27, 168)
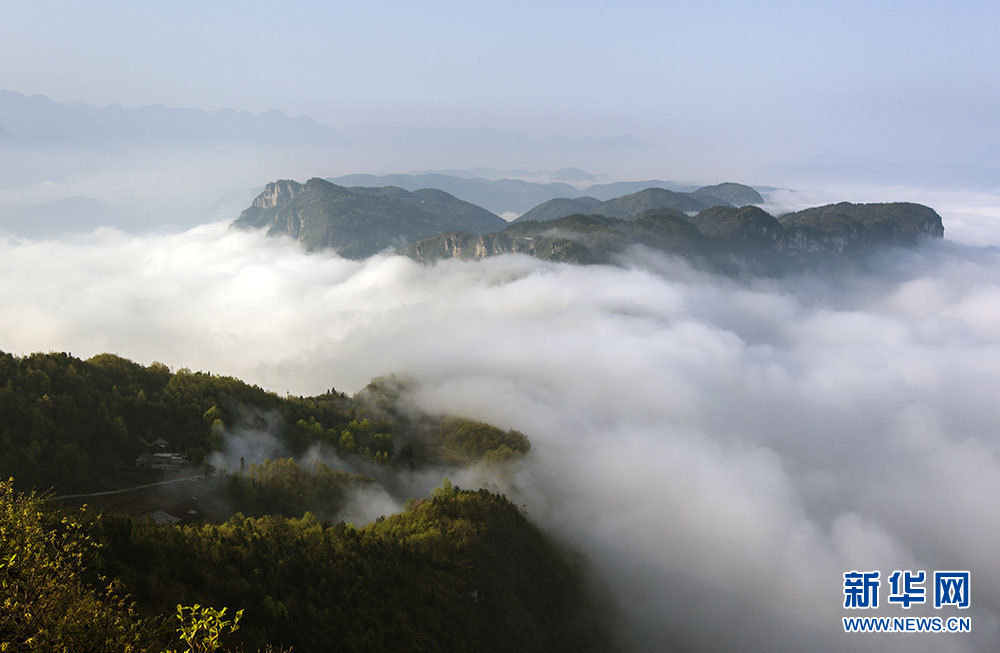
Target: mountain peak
point(360, 221)
point(277, 193)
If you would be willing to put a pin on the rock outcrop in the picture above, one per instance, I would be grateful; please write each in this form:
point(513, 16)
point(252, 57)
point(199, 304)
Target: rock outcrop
point(359, 222)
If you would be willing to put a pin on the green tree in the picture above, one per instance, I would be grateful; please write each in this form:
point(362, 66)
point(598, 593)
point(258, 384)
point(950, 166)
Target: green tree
point(45, 604)
point(203, 626)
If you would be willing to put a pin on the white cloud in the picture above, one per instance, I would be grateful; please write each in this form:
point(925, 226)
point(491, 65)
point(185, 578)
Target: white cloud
point(722, 450)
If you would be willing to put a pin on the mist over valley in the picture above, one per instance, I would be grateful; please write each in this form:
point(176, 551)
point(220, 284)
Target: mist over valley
point(694, 434)
point(521, 327)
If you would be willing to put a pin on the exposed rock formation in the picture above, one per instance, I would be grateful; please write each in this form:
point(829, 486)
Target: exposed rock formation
point(359, 222)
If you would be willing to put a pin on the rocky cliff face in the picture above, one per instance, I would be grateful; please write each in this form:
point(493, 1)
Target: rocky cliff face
point(467, 247)
point(277, 193)
point(359, 222)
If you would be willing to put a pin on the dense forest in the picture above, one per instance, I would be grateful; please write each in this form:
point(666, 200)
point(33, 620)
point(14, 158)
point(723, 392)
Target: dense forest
point(79, 425)
point(69, 423)
point(456, 571)
point(460, 571)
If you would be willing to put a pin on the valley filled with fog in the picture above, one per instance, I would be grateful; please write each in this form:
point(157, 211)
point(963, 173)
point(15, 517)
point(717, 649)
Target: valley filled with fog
point(720, 449)
point(498, 327)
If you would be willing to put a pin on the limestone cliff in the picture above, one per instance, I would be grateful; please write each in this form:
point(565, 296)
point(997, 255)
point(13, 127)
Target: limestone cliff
point(359, 222)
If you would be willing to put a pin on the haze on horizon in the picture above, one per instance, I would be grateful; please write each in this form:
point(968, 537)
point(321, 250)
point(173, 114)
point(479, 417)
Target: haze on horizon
point(702, 440)
point(718, 89)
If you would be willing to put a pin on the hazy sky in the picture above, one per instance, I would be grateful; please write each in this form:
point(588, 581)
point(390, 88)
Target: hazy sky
point(749, 81)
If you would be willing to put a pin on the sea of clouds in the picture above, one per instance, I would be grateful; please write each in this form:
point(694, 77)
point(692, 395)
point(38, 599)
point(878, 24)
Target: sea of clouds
point(721, 450)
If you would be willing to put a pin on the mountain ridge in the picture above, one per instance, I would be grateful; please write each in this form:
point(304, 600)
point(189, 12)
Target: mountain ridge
point(514, 195)
point(652, 197)
point(430, 225)
point(720, 236)
point(38, 118)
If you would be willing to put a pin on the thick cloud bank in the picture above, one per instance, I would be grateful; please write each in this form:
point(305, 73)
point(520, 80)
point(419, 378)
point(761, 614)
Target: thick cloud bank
point(721, 450)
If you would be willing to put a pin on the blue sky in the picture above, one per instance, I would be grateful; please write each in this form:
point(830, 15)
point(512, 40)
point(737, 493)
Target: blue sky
point(757, 81)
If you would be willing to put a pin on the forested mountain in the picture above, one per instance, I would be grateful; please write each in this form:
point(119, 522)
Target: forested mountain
point(559, 208)
point(459, 571)
point(742, 224)
point(454, 571)
point(896, 222)
point(519, 196)
point(497, 195)
point(359, 222)
point(631, 205)
point(78, 425)
point(614, 189)
point(719, 235)
point(735, 194)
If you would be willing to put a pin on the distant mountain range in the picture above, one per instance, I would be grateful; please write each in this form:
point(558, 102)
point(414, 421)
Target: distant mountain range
point(517, 196)
point(560, 207)
point(498, 196)
point(430, 224)
point(37, 120)
point(569, 175)
point(644, 200)
point(132, 160)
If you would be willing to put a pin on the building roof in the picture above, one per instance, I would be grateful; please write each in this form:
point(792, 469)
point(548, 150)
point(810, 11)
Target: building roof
point(163, 517)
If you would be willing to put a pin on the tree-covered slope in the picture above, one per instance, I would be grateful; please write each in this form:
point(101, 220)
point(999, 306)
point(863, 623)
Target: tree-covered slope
point(629, 206)
point(625, 207)
point(459, 571)
point(744, 223)
point(730, 192)
point(559, 208)
point(896, 222)
point(80, 425)
point(719, 235)
point(455, 571)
